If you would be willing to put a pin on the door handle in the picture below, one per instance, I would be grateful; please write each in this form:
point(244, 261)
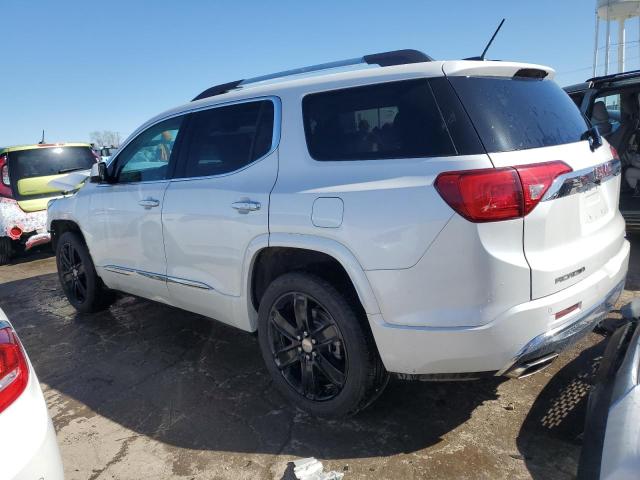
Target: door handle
point(246, 206)
point(148, 203)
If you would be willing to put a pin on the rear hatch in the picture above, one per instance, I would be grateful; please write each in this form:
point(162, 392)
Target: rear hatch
point(31, 170)
point(524, 118)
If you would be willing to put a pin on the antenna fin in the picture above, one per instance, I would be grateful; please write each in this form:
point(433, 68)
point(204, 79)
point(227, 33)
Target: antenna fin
point(492, 39)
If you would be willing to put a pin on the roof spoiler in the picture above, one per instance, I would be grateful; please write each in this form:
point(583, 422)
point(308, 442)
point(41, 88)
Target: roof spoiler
point(384, 59)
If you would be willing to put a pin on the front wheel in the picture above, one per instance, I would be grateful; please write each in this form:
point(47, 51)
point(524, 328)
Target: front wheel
point(78, 277)
point(316, 347)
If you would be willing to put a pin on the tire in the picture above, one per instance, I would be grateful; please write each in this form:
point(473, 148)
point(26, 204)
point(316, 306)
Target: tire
point(78, 277)
point(332, 371)
point(6, 250)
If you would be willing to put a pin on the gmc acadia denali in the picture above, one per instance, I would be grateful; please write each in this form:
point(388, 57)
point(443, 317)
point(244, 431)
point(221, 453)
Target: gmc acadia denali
point(431, 219)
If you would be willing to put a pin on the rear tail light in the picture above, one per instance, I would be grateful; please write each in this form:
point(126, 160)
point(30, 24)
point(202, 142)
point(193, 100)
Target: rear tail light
point(494, 194)
point(5, 180)
point(14, 371)
point(614, 152)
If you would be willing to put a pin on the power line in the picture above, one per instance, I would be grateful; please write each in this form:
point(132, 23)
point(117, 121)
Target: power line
point(566, 72)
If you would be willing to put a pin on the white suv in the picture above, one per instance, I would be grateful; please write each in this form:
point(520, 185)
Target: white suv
point(434, 219)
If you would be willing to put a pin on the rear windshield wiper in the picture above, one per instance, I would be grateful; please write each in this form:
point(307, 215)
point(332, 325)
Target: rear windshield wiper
point(594, 137)
point(74, 169)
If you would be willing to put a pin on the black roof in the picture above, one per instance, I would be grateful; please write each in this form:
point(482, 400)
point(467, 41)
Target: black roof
point(615, 77)
point(578, 87)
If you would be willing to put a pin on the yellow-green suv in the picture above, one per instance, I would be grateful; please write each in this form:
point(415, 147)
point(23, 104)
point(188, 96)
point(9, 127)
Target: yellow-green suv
point(25, 175)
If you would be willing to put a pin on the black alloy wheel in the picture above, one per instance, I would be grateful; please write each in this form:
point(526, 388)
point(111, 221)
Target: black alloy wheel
point(72, 273)
point(307, 346)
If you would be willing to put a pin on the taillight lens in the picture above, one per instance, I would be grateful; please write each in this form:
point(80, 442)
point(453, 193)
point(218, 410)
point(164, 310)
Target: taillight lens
point(5, 181)
point(5, 175)
point(14, 371)
point(614, 152)
point(536, 180)
point(494, 194)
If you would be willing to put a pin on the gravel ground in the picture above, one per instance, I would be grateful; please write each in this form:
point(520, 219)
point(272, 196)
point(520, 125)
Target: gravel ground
point(148, 391)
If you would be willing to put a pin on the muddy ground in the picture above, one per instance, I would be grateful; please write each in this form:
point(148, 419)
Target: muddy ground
point(148, 391)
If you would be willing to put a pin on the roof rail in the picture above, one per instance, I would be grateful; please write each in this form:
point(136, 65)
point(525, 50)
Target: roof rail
point(384, 59)
point(615, 76)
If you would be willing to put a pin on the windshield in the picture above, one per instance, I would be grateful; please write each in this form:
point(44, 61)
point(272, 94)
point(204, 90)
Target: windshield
point(42, 162)
point(517, 114)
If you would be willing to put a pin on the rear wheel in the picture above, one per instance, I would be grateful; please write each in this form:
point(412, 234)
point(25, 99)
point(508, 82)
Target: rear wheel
point(6, 250)
point(321, 356)
point(78, 277)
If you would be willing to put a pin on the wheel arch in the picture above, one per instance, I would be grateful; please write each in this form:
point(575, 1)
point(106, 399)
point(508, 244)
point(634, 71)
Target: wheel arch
point(58, 227)
point(290, 252)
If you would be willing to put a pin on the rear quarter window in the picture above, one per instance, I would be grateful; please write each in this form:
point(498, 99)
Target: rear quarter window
point(519, 113)
point(382, 121)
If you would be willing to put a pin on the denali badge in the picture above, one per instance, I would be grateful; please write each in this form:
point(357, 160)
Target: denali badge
point(570, 275)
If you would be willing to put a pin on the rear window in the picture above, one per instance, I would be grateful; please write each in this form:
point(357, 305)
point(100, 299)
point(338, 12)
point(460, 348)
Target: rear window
point(517, 114)
point(390, 120)
point(42, 162)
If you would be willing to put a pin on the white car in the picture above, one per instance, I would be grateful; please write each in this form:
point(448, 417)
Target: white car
point(431, 219)
point(28, 448)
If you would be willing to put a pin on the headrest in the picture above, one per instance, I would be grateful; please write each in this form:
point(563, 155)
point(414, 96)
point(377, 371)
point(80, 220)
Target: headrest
point(600, 113)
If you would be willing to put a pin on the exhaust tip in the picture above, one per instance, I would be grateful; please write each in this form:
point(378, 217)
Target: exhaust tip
point(531, 366)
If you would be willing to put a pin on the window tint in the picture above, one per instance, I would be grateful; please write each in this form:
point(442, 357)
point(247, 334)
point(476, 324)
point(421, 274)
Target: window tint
point(226, 139)
point(147, 156)
point(391, 120)
point(577, 98)
point(45, 161)
point(517, 113)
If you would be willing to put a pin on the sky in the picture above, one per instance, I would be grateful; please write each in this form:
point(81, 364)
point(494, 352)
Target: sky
point(71, 67)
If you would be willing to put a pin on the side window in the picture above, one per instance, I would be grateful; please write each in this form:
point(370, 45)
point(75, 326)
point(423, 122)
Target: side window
point(147, 156)
point(389, 120)
point(605, 113)
point(225, 139)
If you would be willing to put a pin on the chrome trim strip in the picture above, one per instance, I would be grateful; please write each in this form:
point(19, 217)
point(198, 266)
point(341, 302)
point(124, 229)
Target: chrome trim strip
point(189, 283)
point(120, 270)
point(582, 180)
point(152, 276)
point(158, 276)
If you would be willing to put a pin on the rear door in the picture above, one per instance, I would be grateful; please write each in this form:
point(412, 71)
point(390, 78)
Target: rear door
point(219, 203)
point(576, 227)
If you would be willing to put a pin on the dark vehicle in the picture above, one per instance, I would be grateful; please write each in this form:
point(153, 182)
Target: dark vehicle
point(612, 103)
point(611, 448)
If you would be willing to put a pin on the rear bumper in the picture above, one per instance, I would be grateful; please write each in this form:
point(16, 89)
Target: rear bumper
point(540, 351)
point(11, 215)
point(523, 333)
point(37, 239)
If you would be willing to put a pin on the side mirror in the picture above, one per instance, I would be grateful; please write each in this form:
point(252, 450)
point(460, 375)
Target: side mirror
point(99, 173)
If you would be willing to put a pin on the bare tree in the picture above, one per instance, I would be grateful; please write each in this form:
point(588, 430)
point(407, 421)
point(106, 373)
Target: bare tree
point(105, 138)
